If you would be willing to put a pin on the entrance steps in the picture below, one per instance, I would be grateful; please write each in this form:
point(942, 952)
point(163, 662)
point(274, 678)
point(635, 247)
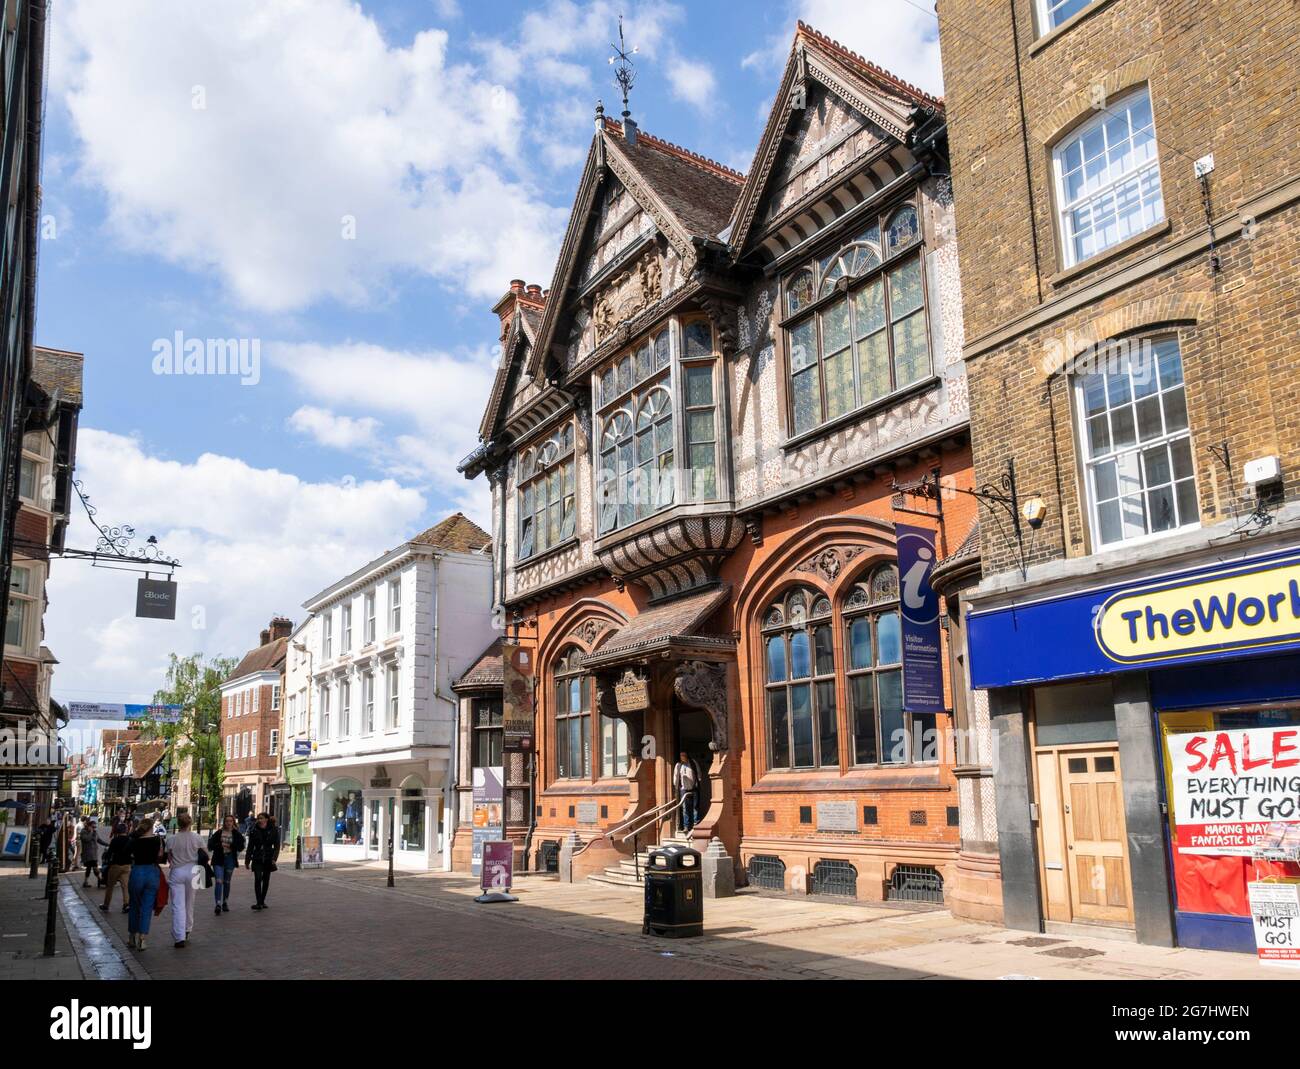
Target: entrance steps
point(624, 874)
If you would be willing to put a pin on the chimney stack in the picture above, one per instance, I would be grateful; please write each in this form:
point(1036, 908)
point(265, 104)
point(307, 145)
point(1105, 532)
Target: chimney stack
point(535, 292)
point(281, 627)
point(266, 637)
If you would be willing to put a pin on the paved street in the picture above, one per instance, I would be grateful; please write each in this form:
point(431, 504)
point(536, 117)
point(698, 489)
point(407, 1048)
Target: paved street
point(344, 923)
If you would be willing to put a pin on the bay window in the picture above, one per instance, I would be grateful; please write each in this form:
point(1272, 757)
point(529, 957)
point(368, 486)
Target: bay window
point(855, 322)
point(547, 513)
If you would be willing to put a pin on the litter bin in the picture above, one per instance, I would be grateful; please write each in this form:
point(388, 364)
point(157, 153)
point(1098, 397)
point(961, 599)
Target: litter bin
point(674, 893)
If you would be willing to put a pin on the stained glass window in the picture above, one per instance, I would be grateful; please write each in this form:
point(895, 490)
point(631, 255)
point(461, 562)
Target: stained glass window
point(802, 718)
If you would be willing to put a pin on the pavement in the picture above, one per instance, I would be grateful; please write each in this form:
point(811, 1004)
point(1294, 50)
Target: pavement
point(343, 922)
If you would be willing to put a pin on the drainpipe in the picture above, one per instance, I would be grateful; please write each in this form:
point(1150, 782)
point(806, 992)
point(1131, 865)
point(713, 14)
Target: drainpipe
point(448, 779)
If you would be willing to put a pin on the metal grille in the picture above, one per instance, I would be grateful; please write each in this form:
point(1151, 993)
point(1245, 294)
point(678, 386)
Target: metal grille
point(916, 883)
point(767, 871)
point(548, 856)
point(835, 878)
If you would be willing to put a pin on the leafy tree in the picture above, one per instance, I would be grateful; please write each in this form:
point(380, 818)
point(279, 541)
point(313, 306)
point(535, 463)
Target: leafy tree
point(194, 684)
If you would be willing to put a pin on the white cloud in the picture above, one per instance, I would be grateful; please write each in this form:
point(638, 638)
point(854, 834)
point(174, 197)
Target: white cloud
point(250, 138)
point(901, 36)
point(692, 81)
point(337, 432)
point(252, 542)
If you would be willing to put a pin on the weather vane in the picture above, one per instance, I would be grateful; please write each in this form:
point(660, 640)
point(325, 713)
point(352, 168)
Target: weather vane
point(624, 75)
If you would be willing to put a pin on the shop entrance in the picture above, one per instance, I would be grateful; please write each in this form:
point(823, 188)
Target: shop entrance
point(1083, 844)
point(692, 733)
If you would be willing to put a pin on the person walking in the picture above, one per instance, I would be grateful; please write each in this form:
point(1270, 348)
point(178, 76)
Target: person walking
point(263, 849)
point(117, 860)
point(147, 856)
point(224, 846)
point(88, 838)
point(184, 848)
point(686, 782)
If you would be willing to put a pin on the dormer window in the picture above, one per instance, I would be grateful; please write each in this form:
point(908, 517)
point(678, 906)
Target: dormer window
point(546, 493)
point(855, 321)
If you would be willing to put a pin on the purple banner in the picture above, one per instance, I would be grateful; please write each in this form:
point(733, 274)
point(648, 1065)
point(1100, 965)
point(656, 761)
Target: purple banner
point(922, 652)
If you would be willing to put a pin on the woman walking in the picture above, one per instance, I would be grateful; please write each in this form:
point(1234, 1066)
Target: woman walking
point(263, 849)
point(147, 854)
point(225, 845)
point(88, 838)
point(117, 860)
point(184, 849)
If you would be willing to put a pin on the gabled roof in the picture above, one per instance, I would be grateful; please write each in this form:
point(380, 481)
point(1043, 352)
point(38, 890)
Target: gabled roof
point(145, 756)
point(885, 99)
point(688, 196)
point(56, 369)
point(521, 335)
point(456, 534)
point(262, 659)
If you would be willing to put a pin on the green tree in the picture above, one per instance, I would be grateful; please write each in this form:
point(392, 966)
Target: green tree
point(195, 685)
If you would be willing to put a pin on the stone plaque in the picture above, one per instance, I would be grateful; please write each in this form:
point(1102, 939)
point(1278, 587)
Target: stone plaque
point(632, 693)
point(588, 813)
point(837, 816)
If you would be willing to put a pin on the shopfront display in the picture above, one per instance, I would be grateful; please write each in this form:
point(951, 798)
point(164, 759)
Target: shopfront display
point(344, 823)
point(1195, 672)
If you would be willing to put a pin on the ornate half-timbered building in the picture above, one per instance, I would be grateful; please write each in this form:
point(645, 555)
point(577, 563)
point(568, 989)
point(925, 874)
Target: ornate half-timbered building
point(695, 442)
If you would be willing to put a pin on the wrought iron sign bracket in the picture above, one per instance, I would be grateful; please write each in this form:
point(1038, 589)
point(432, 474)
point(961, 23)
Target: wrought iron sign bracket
point(113, 547)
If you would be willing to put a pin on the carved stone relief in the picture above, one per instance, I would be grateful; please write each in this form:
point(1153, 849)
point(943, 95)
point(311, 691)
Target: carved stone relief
point(704, 686)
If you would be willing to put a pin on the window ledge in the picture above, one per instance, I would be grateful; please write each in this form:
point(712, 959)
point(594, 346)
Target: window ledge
point(1065, 27)
point(579, 786)
point(555, 550)
point(926, 777)
point(1092, 262)
point(798, 441)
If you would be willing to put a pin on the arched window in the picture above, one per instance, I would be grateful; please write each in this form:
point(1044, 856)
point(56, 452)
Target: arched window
point(546, 493)
point(799, 658)
point(874, 670)
point(572, 718)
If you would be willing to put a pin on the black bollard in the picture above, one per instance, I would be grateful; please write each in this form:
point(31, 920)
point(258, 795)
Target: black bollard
point(51, 914)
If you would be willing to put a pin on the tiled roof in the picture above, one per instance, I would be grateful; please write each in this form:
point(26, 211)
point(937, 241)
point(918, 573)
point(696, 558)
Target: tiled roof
point(456, 534)
point(261, 659)
point(871, 69)
point(145, 755)
point(965, 556)
point(487, 671)
point(700, 192)
point(680, 618)
point(55, 369)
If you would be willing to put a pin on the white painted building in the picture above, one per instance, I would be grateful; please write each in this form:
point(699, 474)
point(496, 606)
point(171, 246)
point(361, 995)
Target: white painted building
point(384, 646)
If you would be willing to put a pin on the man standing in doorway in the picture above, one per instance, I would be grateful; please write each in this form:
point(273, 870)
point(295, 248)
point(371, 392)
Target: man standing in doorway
point(686, 782)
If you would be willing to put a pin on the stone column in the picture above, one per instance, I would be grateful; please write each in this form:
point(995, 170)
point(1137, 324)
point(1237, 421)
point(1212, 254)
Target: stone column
point(1017, 834)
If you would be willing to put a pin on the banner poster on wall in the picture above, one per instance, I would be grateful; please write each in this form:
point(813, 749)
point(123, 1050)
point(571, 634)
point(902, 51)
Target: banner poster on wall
point(487, 821)
point(1229, 786)
point(1275, 911)
point(517, 699)
point(922, 659)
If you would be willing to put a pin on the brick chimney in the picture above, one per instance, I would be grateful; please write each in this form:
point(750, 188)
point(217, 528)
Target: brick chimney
point(265, 637)
point(281, 627)
point(505, 307)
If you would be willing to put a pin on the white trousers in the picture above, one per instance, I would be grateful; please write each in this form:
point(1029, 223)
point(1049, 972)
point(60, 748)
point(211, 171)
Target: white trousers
point(180, 890)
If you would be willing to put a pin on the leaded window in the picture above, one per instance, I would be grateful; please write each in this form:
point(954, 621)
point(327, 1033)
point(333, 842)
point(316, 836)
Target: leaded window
point(1140, 477)
point(800, 681)
point(572, 718)
point(634, 464)
point(855, 321)
point(873, 649)
point(547, 513)
point(486, 732)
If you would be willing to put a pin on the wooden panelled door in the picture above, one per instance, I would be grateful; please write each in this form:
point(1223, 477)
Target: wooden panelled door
point(1096, 858)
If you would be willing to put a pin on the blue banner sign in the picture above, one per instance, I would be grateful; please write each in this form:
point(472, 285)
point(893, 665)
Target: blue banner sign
point(302, 747)
point(162, 714)
point(922, 653)
point(1241, 609)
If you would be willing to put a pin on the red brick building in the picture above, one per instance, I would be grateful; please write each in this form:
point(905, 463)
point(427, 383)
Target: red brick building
point(250, 722)
point(696, 443)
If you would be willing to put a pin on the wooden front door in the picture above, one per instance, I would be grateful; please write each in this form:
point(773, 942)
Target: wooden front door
point(1096, 859)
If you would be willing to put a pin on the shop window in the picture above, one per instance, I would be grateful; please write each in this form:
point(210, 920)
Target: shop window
point(855, 322)
point(1108, 179)
point(1133, 427)
point(802, 724)
point(346, 811)
point(486, 732)
point(572, 718)
point(413, 806)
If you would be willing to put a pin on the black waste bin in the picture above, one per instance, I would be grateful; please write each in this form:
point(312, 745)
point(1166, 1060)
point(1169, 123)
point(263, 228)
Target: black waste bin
point(674, 893)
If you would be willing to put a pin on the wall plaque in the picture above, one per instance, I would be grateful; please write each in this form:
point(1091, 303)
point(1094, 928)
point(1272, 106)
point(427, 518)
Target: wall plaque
point(837, 816)
point(632, 693)
point(588, 813)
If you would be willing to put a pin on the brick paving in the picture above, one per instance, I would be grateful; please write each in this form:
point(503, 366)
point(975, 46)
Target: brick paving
point(23, 911)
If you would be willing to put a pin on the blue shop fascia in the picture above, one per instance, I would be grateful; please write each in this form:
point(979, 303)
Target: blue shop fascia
point(1100, 671)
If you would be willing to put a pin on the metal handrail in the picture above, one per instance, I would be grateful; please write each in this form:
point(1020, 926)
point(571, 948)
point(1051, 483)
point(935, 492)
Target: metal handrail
point(646, 819)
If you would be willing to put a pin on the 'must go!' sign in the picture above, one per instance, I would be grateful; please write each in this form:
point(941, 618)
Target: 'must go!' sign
point(1240, 608)
point(1227, 785)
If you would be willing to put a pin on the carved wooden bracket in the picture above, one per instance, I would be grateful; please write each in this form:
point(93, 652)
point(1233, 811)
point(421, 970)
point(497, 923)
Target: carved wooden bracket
point(704, 686)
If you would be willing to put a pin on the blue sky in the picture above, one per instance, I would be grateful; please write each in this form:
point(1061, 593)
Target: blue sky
point(350, 187)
